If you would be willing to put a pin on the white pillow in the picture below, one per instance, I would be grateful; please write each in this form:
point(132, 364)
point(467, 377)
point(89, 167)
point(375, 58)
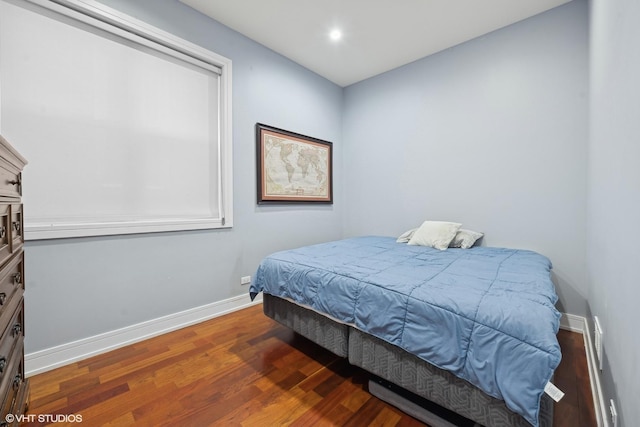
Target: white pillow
point(406, 236)
point(435, 234)
point(465, 239)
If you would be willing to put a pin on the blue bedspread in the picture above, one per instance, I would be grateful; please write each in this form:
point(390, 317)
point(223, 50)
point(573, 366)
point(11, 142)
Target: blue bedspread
point(485, 314)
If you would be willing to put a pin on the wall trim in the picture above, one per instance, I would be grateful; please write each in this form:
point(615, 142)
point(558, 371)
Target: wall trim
point(55, 357)
point(573, 323)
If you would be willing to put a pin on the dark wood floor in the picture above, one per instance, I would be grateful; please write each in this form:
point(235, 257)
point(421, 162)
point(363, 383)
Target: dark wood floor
point(572, 377)
point(244, 369)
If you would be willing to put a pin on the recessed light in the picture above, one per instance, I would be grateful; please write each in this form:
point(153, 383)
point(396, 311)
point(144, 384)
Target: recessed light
point(335, 34)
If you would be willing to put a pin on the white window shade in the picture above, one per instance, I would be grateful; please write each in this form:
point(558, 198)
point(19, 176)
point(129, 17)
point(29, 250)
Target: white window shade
point(122, 134)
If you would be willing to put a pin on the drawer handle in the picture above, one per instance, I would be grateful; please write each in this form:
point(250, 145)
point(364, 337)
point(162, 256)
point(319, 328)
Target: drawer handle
point(3, 298)
point(17, 278)
point(16, 381)
point(3, 232)
point(16, 226)
point(17, 183)
point(3, 364)
point(17, 328)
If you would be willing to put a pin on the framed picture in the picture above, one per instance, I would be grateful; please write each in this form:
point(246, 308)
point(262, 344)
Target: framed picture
point(293, 168)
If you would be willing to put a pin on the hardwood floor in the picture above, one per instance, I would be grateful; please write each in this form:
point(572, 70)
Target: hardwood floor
point(572, 377)
point(244, 369)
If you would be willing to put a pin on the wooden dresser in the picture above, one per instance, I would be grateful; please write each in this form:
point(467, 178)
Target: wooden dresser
point(14, 387)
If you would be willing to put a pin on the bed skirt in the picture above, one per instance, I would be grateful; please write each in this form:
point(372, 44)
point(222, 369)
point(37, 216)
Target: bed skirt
point(399, 367)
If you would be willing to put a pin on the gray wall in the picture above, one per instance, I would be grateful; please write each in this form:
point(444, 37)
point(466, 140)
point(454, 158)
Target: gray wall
point(78, 288)
point(491, 133)
point(614, 197)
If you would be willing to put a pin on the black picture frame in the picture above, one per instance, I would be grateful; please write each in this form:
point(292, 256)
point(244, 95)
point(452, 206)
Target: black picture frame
point(292, 168)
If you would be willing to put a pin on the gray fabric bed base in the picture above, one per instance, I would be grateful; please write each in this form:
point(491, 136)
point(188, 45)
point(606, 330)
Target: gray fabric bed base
point(323, 331)
point(399, 367)
point(436, 385)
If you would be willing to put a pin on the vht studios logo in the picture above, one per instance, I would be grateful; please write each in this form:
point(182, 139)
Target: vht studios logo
point(43, 418)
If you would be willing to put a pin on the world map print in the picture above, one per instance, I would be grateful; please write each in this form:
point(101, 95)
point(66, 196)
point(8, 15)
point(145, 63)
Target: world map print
point(295, 168)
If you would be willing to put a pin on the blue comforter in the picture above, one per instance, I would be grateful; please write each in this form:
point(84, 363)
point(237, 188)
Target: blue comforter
point(485, 314)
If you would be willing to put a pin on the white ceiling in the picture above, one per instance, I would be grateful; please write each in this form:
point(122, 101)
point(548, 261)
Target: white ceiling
point(378, 35)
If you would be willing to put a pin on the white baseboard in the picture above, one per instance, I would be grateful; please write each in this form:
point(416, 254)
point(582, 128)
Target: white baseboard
point(579, 324)
point(573, 323)
point(55, 357)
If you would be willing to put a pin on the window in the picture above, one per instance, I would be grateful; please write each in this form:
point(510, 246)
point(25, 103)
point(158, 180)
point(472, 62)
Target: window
point(126, 128)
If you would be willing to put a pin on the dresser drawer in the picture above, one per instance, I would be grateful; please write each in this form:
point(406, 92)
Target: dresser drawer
point(5, 232)
point(15, 390)
point(11, 287)
point(16, 227)
point(10, 180)
point(11, 165)
point(11, 230)
point(10, 342)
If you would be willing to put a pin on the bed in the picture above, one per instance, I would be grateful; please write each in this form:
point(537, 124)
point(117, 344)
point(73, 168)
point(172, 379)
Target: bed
point(473, 330)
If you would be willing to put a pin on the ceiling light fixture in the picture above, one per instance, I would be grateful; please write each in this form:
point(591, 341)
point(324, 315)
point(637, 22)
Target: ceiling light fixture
point(335, 34)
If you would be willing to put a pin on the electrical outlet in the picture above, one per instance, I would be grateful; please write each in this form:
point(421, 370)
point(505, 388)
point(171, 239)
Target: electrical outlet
point(245, 280)
point(614, 413)
point(598, 334)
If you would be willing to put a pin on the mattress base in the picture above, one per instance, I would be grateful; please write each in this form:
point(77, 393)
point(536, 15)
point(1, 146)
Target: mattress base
point(419, 408)
point(413, 374)
point(399, 367)
point(327, 333)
